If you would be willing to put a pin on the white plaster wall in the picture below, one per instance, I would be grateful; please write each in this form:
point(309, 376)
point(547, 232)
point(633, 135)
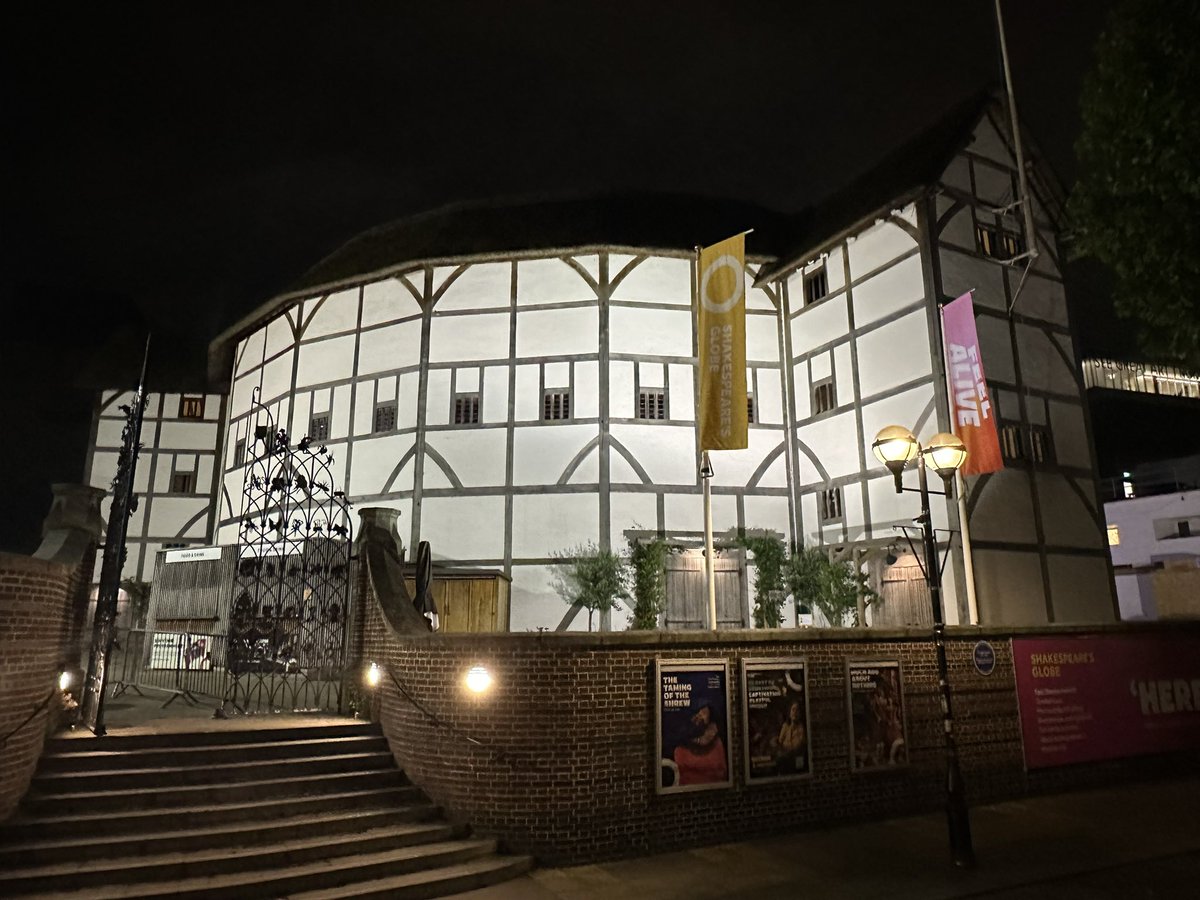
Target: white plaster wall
point(339, 313)
point(482, 286)
point(463, 528)
point(818, 324)
point(889, 291)
point(556, 332)
point(666, 452)
point(662, 332)
point(877, 245)
point(547, 523)
point(388, 300)
point(550, 281)
point(654, 280)
point(541, 453)
point(894, 354)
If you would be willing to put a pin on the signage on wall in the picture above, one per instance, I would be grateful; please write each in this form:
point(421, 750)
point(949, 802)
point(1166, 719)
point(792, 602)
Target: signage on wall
point(878, 730)
point(1099, 697)
point(775, 720)
point(692, 725)
point(984, 657)
point(192, 554)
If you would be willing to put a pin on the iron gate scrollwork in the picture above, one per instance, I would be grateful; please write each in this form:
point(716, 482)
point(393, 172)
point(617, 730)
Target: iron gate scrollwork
point(289, 622)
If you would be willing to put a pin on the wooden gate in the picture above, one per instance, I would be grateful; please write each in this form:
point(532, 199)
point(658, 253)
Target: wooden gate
point(905, 596)
point(687, 594)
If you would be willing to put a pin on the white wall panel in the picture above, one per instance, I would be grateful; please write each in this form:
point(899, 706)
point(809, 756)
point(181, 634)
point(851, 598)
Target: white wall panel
point(661, 332)
point(528, 401)
point(877, 245)
point(168, 515)
point(339, 312)
point(463, 527)
point(620, 391)
point(550, 281)
point(108, 432)
point(533, 602)
point(482, 286)
point(666, 452)
point(834, 442)
point(437, 404)
point(547, 523)
point(327, 360)
point(585, 401)
point(556, 332)
point(762, 338)
point(185, 436)
point(899, 409)
point(495, 394)
point(631, 512)
point(819, 324)
point(770, 397)
point(374, 460)
point(1069, 435)
point(477, 455)
point(388, 348)
point(541, 452)
point(681, 395)
point(250, 353)
point(768, 512)
point(277, 378)
point(409, 385)
point(889, 291)
point(388, 300)
point(654, 280)
point(482, 336)
point(896, 353)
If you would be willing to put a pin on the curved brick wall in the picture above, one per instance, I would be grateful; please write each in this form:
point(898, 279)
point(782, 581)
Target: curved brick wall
point(33, 630)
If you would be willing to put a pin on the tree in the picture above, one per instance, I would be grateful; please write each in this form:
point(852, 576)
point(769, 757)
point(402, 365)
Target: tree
point(832, 587)
point(770, 556)
point(648, 560)
point(593, 578)
point(1136, 205)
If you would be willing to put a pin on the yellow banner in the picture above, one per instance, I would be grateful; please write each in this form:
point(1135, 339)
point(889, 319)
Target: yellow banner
point(721, 336)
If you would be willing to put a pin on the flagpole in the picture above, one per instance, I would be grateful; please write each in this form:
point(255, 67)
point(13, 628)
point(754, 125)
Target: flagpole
point(960, 488)
point(710, 575)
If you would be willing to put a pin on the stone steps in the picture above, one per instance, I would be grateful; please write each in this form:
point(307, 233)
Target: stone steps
point(299, 811)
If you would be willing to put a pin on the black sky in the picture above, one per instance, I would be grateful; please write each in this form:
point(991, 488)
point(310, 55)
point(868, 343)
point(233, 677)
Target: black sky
point(169, 168)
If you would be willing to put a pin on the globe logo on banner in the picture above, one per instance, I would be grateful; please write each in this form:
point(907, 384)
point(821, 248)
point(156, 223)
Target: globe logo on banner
point(721, 413)
point(728, 263)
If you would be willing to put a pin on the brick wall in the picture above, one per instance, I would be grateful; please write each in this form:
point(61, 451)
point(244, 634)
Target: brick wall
point(568, 764)
point(34, 630)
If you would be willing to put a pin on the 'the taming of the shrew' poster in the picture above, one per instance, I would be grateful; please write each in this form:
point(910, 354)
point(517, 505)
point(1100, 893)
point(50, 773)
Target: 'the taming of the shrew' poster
point(693, 726)
point(878, 739)
point(775, 709)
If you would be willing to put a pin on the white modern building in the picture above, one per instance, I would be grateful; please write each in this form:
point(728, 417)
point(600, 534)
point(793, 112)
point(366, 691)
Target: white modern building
point(520, 381)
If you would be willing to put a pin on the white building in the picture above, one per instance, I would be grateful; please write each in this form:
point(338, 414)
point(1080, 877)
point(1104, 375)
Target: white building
point(176, 479)
point(520, 381)
point(1155, 546)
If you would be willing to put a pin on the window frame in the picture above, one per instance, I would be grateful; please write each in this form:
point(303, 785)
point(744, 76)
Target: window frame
point(474, 401)
point(186, 402)
point(643, 406)
point(818, 276)
point(816, 391)
point(386, 406)
point(564, 407)
point(190, 482)
point(312, 426)
point(827, 498)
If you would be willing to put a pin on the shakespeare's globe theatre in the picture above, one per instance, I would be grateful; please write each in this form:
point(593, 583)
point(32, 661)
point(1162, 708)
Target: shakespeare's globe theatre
point(519, 381)
point(513, 405)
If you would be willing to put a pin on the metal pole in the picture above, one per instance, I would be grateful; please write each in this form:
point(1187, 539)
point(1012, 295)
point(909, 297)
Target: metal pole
point(1022, 182)
point(709, 569)
point(957, 817)
point(960, 488)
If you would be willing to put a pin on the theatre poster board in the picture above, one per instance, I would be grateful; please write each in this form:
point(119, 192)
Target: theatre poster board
point(775, 720)
point(1092, 697)
point(878, 719)
point(692, 725)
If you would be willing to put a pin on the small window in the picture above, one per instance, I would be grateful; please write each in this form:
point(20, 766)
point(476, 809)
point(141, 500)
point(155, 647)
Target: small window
point(1012, 447)
point(998, 243)
point(1185, 528)
point(824, 398)
point(466, 409)
point(652, 404)
point(318, 427)
point(830, 502)
point(556, 405)
point(239, 454)
point(1114, 536)
point(191, 407)
point(1040, 448)
point(183, 483)
point(751, 409)
point(816, 285)
point(385, 417)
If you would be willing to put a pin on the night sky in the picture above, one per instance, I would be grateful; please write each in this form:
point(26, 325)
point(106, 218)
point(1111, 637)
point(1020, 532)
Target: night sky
point(170, 169)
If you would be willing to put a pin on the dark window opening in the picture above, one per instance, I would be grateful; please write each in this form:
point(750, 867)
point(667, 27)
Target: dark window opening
point(466, 409)
point(751, 409)
point(183, 483)
point(998, 243)
point(191, 407)
point(318, 427)
point(385, 418)
point(556, 405)
point(830, 503)
point(816, 286)
point(824, 397)
point(239, 454)
point(652, 404)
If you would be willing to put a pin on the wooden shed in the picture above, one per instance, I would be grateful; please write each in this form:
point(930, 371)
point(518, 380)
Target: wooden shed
point(467, 599)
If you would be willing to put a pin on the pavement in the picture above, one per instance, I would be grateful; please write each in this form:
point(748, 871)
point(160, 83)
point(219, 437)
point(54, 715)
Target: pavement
point(1132, 841)
point(1129, 841)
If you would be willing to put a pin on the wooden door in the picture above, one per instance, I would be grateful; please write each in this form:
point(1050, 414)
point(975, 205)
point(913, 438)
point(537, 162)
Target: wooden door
point(905, 596)
point(687, 595)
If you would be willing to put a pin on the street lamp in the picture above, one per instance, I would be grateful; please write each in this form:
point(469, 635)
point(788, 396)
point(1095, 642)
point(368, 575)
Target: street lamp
point(895, 446)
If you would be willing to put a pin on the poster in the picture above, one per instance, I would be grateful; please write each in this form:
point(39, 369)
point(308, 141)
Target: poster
point(1099, 697)
point(775, 719)
point(169, 650)
point(692, 719)
point(878, 735)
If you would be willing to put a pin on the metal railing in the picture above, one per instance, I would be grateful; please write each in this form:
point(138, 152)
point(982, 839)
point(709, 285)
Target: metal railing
point(182, 664)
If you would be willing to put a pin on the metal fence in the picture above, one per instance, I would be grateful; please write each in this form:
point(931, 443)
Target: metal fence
point(182, 664)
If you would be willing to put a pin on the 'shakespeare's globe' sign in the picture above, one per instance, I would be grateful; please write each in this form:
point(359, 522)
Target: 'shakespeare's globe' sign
point(984, 657)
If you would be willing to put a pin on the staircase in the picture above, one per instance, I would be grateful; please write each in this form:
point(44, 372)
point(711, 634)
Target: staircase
point(302, 811)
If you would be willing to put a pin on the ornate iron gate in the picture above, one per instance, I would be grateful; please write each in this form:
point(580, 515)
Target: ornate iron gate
point(289, 623)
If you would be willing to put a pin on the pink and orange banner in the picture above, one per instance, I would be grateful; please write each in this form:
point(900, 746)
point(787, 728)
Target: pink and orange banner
point(971, 409)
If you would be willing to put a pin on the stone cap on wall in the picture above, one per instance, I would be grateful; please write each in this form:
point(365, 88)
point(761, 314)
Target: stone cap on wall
point(616, 640)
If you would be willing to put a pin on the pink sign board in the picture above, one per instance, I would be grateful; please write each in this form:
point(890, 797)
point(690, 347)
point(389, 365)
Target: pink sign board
point(1106, 696)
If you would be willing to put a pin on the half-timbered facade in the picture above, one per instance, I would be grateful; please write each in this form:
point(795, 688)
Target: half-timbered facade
point(517, 399)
